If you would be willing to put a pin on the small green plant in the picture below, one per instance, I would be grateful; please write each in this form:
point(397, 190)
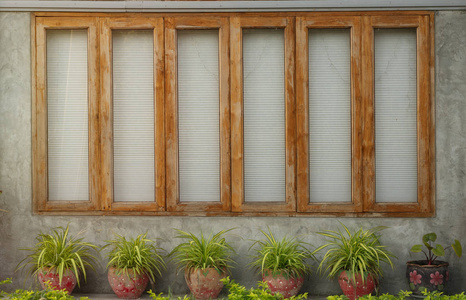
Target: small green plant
point(160, 296)
point(48, 294)
point(402, 295)
point(239, 292)
point(203, 252)
point(434, 251)
point(60, 251)
point(287, 256)
point(354, 252)
point(139, 254)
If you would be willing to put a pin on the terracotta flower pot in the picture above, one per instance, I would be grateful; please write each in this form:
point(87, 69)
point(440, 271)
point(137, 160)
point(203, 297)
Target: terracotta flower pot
point(354, 290)
point(422, 276)
point(286, 285)
point(68, 281)
point(127, 285)
point(205, 283)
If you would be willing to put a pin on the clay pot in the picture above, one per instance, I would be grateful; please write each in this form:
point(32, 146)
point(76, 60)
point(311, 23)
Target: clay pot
point(422, 276)
point(354, 290)
point(127, 284)
point(205, 283)
point(68, 281)
point(282, 283)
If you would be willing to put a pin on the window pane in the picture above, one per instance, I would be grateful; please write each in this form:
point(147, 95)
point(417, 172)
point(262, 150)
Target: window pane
point(199, 115)
point(330, 115)
point(133, 115)
point(67, 109)
point(395, 115)
point(264, 114)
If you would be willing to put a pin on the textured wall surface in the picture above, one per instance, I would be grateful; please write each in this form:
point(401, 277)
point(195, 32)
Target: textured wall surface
point(18, 226)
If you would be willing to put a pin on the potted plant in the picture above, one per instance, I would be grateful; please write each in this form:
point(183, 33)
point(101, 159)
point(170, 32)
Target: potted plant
point(282, 264)
point(132, 263)
point(60, 259)
point(205, 260)
point(355, 257)
point(430, 274)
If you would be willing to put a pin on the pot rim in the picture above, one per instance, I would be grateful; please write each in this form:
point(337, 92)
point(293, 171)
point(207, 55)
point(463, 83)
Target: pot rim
point(423, 264)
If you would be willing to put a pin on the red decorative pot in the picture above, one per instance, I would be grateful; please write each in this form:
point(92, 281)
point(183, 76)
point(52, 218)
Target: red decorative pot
point(205, 283)
point(354, 290)
point(68, 281)
point(422, 276)
point(127, 284)
point(282, 283)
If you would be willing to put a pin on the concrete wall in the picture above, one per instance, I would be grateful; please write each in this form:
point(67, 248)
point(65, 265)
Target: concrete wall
point(19, 226)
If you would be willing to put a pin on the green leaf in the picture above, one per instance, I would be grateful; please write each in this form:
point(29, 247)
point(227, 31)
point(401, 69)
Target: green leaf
point(416, 248)
point(429, 237)
point(457, 248)
point(438, 250)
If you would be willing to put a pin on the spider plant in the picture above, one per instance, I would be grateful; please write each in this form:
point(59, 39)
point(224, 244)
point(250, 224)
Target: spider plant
point(201, 252)
point(60, 251)
point(354, 252)
point(287, 256)
point(139, 254)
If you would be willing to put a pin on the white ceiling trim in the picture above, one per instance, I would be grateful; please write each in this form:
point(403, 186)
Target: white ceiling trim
point(228, 6)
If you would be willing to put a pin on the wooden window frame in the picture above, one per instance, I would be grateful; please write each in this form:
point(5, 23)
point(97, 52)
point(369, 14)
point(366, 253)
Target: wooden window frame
point(302, 92)
point(40, 121)
point(172, 24)
point(237, 117)
point(106, 112)
point(425, 114)
point(296, 25)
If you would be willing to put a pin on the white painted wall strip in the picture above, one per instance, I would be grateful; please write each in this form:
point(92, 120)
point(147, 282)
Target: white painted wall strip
point(227, 6)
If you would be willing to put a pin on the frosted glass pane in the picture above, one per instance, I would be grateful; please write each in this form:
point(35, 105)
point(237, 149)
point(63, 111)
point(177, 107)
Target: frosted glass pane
point(395, 115)
point(67, 109)
point(329, 115)
point(133, 116)
point(199, 115)
point(264, 114)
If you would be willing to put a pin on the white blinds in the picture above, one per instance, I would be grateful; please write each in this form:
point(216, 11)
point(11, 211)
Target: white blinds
point(264, 114)
point(67, 109)
point(133, 115)
point(395, 115)
point(330, 115)
point(199, 115)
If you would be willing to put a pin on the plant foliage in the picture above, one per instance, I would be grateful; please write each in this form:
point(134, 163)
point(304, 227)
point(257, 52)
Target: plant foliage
point(203, 252)
point(239, 292)
point(434, 251)
point(402, 295)
point(48, 294)
point(160, 296)
point(139, 254)
point(354, 252)
point(286, 256)
point(60, 251)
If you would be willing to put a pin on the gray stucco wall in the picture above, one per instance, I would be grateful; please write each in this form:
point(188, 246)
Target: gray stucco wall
point(19, 226)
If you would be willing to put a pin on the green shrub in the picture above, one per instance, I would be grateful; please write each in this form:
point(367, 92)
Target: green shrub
point(287, 255)
point(48, 294)
point(239, 292)
point(160, 296)
point(203, 252)
point(58, 250)
point(435, 295)
point(139, 254)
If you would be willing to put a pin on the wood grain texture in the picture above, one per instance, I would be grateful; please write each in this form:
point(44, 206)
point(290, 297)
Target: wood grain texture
point(302, 71)
point(425, 125)
point(172, 25)
point(230, 25)
point(40, 169)
point(239, 204)
point(106, 113)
